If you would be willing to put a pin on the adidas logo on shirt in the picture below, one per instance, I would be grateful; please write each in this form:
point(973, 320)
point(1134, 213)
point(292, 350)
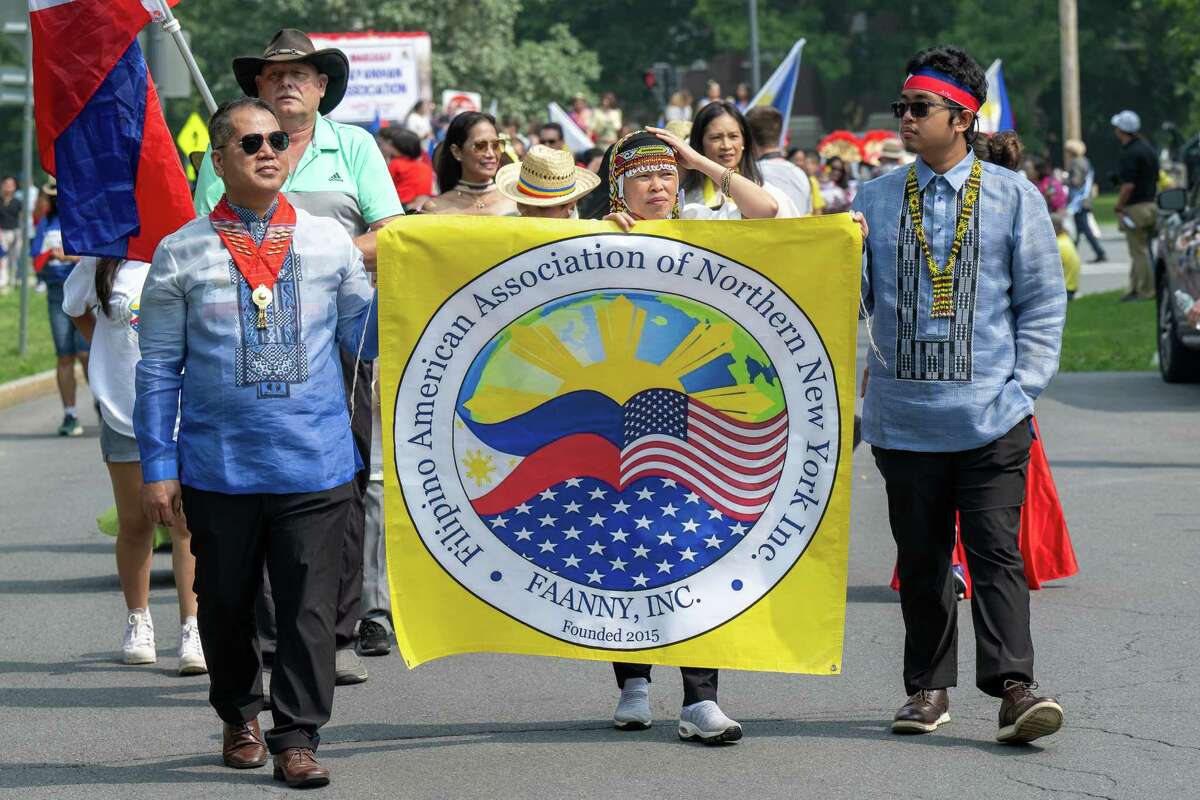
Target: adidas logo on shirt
point(335, 177)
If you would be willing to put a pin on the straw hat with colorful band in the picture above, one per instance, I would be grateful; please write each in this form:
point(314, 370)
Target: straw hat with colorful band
point(547, 177)
point(941, 84)
point(636, 153)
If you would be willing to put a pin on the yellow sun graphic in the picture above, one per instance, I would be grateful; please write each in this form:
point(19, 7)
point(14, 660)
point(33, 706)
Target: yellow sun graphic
point(620, 374)
point(479, 466)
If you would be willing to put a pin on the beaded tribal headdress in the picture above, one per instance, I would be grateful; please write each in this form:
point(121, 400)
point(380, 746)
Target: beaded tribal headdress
point(634, 154)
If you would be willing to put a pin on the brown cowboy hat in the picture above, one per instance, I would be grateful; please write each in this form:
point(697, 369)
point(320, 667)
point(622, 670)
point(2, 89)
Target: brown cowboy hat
point(290, 44)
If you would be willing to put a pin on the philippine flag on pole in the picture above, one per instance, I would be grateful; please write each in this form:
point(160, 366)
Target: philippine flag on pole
point(780, 88)
point(101, 132)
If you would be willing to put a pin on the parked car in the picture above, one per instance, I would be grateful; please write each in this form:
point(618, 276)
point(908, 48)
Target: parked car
point(1176, 275)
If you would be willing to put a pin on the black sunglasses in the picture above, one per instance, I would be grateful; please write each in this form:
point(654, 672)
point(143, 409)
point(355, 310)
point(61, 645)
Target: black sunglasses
point(919, 108)
point(252, 142)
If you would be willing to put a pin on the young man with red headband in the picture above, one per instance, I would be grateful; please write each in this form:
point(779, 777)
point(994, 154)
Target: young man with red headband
point(964, 287)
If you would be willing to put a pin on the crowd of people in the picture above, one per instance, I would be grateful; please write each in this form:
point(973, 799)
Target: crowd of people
point(238, 394)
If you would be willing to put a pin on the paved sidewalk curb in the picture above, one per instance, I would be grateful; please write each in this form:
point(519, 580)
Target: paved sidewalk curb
point(31, 387)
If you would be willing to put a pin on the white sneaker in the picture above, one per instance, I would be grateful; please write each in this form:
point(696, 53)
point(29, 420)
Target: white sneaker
point(138, 647)
point(191, 653)
point(633, 709)
point(705, 721)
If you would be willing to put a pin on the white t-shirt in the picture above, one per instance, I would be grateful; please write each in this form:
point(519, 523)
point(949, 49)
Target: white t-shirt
point(729, 210)
point(115, 352)
point(791, 180)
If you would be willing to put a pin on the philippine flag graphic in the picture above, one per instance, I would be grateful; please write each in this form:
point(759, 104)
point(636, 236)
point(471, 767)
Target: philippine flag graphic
point(623, 441)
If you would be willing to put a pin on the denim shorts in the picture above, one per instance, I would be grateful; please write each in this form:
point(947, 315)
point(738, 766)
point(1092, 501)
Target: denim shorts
point(67, 339)
point(117, 448)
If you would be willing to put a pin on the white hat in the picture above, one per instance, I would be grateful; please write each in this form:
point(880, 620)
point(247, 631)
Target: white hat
point(547, 177)
point(1127, 121)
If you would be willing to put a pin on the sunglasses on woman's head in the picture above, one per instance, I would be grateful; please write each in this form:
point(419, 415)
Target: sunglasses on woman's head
point(919, 108)
point(251, 143)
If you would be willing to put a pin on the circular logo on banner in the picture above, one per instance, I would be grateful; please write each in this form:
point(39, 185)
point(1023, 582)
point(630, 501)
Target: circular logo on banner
point(623, 442)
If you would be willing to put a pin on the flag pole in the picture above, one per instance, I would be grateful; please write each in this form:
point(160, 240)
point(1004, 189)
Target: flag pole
point(171, 25)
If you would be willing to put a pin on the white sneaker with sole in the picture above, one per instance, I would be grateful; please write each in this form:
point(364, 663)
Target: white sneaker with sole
point(706, 722)
point(138, 647)
point(633, 709)
point(191, 652)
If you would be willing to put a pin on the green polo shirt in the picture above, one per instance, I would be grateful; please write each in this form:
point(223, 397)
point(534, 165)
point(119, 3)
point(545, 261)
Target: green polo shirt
point(342, 175)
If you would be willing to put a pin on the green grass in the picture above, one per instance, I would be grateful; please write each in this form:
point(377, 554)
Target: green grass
point(1102, 209)
point(1103, 335)
point(40, 353)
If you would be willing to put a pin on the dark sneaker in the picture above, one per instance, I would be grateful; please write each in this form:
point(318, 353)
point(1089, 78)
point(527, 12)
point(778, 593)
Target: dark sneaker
point(1024, 716)
point(70, 426)
point(925, 710)
point(373, 639)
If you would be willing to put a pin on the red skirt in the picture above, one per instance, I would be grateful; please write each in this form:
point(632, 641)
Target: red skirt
point(1044, 540)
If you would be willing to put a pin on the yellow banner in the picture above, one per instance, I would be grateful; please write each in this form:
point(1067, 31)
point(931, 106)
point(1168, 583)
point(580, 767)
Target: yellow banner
point(609, 446)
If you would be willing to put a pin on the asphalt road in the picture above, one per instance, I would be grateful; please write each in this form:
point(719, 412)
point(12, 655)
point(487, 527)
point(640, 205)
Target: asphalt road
point(1117, 644)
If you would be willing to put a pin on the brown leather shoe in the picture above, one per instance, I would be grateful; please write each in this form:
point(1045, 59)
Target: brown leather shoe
point(925, 710)
point(243, 746)
point(1024, 716)
point(299, 768)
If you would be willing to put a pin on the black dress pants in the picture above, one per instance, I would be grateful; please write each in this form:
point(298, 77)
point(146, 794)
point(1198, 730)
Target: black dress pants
point(699, 683)
point(349, 596)
point(297, 537)
point(986, 486)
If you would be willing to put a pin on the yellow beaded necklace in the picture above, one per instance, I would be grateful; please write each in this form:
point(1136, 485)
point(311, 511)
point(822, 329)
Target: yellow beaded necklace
point(942, 277)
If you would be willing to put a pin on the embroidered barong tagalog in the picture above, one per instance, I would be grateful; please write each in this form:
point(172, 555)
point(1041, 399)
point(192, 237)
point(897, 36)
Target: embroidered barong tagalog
point(942, 278)
point(259, 265)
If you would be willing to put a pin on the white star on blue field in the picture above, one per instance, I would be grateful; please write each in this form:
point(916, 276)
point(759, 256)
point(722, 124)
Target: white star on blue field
point(653, 533)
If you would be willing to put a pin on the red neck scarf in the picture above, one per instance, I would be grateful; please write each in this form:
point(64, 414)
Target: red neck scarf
point(259, 265)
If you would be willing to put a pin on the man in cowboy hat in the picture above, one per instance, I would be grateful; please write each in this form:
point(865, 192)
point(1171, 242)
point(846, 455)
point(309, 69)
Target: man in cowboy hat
point(335, 171)
point(546, 184)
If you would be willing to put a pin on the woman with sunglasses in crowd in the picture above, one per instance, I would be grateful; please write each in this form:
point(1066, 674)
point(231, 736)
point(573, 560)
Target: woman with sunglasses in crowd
point(466, 163)
point(836, 188)
point(721, 135)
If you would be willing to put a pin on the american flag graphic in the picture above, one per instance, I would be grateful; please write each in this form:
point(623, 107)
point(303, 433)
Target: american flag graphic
point(652, 533)
point(689, 483)
point(733, 465)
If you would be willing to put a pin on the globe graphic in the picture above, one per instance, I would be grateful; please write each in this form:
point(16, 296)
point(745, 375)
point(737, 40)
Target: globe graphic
point(622, 440)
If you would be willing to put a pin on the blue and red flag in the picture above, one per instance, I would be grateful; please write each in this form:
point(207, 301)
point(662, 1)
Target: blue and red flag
point(101, 132)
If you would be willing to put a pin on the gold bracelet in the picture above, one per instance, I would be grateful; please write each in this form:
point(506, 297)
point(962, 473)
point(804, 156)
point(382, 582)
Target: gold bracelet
point(726, 178)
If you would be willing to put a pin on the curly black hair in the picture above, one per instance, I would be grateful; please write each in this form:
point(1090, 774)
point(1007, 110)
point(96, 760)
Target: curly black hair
point(955, 62)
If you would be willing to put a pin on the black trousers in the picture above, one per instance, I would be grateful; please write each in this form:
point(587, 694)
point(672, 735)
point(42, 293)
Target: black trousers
point(1082, 228)
point(699, 683)
point(297, 538)
point(349, 595)
point(986, 486)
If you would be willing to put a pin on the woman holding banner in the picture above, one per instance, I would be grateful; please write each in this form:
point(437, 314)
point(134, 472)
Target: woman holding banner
point(466, 163)
point(641, 172)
